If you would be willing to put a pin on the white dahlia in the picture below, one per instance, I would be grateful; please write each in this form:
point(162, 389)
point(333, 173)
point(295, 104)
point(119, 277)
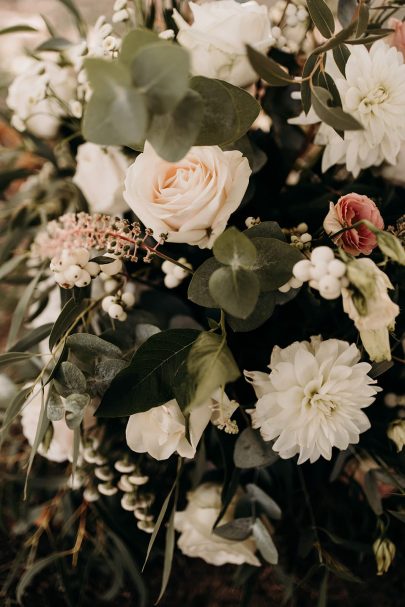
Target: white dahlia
point(313, 398)
point(374, 93)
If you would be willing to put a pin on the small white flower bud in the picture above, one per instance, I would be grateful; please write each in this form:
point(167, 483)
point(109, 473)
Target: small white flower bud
point(290, 9)
point(337, 268)
point(128, 502)
point(105, 30)
point(145, 526)
point(125, 485)
point(302, 270)
point(396, 432)
point(322, 255)
point(128, 299)
point(124, 466)
point(276, 31)
point(302, 227)
point(107, 489)
point(90, 494)
point(72, 273)
point(119, 16)
point(167, 35)
point(107, 302)
point(142, 514)
point(252, 221)
point(291, 20)
point(76, 108)
point(89, 455)
point(92, 268)
point(84, 279)
point(104, 473)
point(115, 311)
point(384, 552)
point(119, 5)
point(302, 14)
point(137, 479)
point(171, 281)
point(110, 43)
point(391, 400)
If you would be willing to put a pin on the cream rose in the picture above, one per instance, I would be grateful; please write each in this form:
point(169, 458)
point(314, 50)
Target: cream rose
point(195, 524)
point(190, 200)
point(37, 96)
point(218, 36)
point(100, 174)
point(61, 447)
point(161, 431)
point(379, 317)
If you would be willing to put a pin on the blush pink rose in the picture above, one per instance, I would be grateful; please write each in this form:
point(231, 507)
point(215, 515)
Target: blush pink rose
point(397, 38)
point(348, 210)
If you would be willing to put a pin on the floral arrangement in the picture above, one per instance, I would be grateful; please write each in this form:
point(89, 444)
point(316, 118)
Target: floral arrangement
point(202, 246)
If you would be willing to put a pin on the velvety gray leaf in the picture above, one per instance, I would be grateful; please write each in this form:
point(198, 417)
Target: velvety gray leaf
point(237, 530)
point(236, 291)
point(251, 451)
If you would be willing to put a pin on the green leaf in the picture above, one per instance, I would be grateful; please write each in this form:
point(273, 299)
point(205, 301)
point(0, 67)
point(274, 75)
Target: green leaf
point(228, 111)
point(43, 424)
point(210, 364)
point(341, 54)
point(92, 345)
point(263, 310)
point(198, 290)
point(305, 85)
point(74, 11)
point(325, 80)
point(251, 451)
point(264, 543)
point(333, 116)
point(161, 72)
point(9, 358)
point(266, 502)
point(234, 249)
point(169, 549)
point(54, 407)
point(172, 135)
point(70, 311)
point(237, 530)
point(323, 591)
point(116, 113)
point(75, 405)
point(69, 379)
point(275, 261)
point(268, 69)
point(10, 265)
point(133, 42)
point(147, 381)
point(55, 44)
point(236, 291)
point(266, 229)
point(322, 17)
point(17, 28)
point(362, 20)
point(28, 575)
point(19, 313)
point(391, 246)
point(32, 338)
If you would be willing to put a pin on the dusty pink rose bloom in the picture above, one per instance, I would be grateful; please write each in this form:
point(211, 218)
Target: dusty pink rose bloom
point(347, 211)
point(397, 38)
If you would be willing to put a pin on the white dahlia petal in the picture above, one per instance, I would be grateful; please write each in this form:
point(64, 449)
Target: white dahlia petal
point(313, 399)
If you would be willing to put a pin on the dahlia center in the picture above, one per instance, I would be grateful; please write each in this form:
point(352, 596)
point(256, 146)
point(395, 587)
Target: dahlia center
point(313, 399)
point(376, 97)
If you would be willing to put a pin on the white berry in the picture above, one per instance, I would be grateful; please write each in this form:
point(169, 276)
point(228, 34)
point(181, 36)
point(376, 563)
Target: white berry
point(107, 302)
point(318, 271)
point(72, 273)
point(337, 268)
point(329, 287)
point(167, 267)
point(110, 285)
point(82, 256)
point(304, 238)
point(83, 280)
point(92, 268)
point(295, 283)
point(322, 255)
point(68, 258)
point(115, 311)
point(128, 299)
point(171, 281)
point(112, 268)
point(123, 316)
point(302, 270)
point(285, 288)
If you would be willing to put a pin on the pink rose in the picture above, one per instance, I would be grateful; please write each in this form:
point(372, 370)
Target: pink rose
point(348, 210)
point(397, 38)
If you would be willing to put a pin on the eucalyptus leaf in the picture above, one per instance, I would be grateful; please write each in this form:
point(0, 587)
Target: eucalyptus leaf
point(341, 54)
point(116, 113)
point(362, 20)
point(19, 28)
point(69, 313)
point(55, 409)
point(266, 502)
point(198, 289)
point(32, 338)
point(69, 379)
point(75, 405)
point(263, 310)
point(133, 42)
point(21, 308)
point(251, 451)
point(274, 263)
point(172, 135)
point(228, 111)
point(54, 44)
point(268, 69)
point(93, 346)
point(237, 530)
point(236, 291)
point(266, 229)
point(233, 248)
point(264, 543)
point(333, 116)
point(148, 380)
point(345, 11)
point(322, 17)
point(161, 72)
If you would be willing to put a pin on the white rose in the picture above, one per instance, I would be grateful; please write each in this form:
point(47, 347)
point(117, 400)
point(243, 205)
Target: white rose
point(190, 200)
point(218, 35)
point(195, 524)
point(161, 431)
point(61, 447)
point(100, 174)
point(374, 326)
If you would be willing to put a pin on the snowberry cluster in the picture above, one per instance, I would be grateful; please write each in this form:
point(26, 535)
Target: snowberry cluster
point(293, 283)
point(174, 274)
point(252, 221)
point(121, 11)
point(289, 16)
point(300, 237)
point(117, 305)
point(73, 268)
point(324, 272)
